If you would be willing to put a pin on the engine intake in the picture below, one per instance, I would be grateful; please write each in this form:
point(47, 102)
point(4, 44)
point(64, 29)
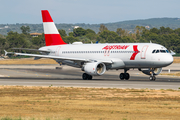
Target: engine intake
point(95, 68)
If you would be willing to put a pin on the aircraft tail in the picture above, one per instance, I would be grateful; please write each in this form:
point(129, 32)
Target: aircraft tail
point(52, 36)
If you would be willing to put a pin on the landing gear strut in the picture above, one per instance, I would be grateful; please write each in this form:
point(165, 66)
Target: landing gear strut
point(86, 76)
point(124, 75)
point(152, 77)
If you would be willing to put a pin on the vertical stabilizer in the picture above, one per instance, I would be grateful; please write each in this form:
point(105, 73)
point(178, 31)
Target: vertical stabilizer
point(52, 36)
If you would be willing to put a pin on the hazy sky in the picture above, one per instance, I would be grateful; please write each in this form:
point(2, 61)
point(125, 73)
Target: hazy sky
point(86, 11)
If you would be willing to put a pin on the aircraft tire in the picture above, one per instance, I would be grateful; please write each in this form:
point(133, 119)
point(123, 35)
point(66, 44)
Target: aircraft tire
point(152, 78)
point(89, 77)
point(122, 76)
point(126, 76)
point(84, 76)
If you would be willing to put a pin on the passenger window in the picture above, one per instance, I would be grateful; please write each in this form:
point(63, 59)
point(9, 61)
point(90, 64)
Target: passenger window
point(157, 51)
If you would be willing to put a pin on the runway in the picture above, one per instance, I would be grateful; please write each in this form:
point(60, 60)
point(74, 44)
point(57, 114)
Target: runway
point(48, 75)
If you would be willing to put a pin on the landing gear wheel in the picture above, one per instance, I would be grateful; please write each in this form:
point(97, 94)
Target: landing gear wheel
point(126, 76)
point(122, 76)
point(89, 77)
point(86, 76)
point(152, 78)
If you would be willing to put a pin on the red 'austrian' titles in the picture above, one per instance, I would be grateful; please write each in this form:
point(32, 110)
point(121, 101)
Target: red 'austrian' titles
point(109, 47)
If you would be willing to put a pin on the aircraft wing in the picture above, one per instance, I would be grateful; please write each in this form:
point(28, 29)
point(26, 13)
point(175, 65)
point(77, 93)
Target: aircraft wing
point(172, 53)
point(36, 50)
point(63, 58)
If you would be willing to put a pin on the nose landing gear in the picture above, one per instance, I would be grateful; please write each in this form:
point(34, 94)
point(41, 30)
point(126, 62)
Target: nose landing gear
point(152, 76)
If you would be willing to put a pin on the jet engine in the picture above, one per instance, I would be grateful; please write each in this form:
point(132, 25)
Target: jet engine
point(157, 71)
point(94, 68)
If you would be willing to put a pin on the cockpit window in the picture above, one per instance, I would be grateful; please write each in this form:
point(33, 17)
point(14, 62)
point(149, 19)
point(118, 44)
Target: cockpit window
point(162, 51)
point(157, 51)
point(153, 51)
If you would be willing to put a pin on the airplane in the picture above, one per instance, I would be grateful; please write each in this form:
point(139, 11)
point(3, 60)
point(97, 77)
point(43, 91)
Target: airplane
point(95, 59)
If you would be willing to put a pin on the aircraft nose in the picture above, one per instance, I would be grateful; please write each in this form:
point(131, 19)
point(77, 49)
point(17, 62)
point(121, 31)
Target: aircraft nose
point(169, 59)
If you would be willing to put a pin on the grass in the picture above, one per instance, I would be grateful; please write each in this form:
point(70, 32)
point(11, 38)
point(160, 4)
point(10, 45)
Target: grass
point(68, 103)
point(177, 55)
point(8, 118)
point(176, 60)
point(171, 74)
point(27, 61)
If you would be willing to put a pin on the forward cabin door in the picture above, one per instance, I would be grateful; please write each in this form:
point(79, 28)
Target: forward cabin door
point(143, 52)
point(58, 52)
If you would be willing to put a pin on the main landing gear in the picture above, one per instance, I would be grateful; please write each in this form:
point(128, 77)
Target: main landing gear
point(86, 76)
point(124, 75)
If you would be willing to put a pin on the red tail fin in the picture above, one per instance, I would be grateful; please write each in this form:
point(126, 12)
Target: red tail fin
point(52, 36)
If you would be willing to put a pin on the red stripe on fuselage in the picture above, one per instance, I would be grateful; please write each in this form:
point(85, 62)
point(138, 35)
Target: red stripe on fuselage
point(136, 51)
point(53, 39)
point(46, 16)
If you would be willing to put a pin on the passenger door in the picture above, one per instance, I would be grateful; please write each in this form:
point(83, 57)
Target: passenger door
point(143, 52)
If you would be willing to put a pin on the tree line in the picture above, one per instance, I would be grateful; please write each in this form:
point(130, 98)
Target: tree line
point(165, 36)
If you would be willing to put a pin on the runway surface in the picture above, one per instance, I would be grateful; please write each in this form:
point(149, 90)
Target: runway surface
point(48, 75)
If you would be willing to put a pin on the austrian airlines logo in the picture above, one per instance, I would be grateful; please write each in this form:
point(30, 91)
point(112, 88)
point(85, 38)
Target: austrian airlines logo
point(118, 47)
point(113, 47)
point(136, 51)
point(109, 47)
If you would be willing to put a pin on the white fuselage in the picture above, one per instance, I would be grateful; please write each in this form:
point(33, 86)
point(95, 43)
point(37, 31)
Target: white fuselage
point(134, 55)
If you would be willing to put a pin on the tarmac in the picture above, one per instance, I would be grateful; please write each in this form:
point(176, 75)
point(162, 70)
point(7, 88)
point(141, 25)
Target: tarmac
point(65, 76)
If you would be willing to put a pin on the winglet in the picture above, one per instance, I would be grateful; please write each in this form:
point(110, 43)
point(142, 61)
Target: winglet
point(172, 53)
point(6, 53)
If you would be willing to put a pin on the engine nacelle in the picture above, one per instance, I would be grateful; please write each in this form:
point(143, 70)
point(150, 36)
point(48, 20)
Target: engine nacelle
point(95, 68)
point(157, 71)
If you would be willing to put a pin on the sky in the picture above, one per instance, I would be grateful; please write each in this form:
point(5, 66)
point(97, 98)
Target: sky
point(86, 11)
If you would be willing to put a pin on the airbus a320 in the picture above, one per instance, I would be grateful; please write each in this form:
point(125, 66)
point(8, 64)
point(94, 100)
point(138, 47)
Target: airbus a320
point(95, 59)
